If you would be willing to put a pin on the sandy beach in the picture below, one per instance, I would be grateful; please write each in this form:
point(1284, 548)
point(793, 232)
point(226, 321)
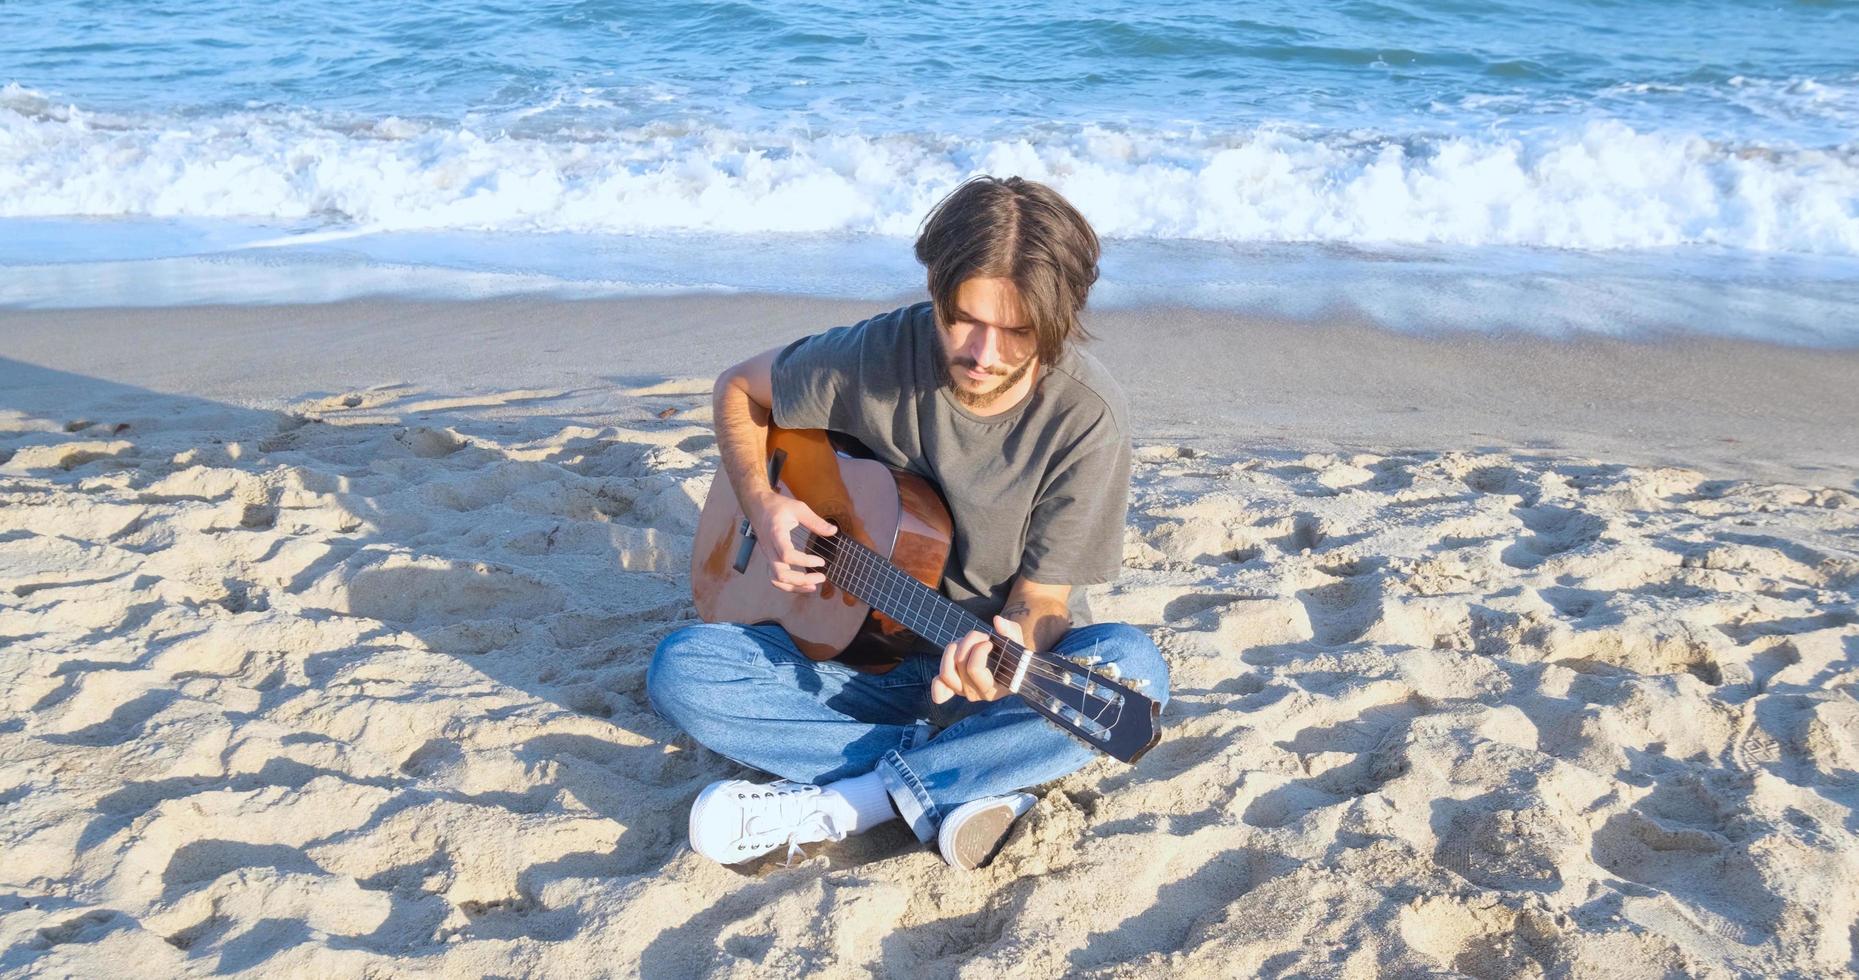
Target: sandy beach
point(323, 632)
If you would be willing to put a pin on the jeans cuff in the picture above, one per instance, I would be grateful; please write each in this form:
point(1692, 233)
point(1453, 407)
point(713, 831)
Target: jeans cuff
point(907, 792)
point(917, 735)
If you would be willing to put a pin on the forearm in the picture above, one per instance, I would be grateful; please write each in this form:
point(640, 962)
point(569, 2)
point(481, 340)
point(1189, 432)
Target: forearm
point(1043, 621)
point(742, 439)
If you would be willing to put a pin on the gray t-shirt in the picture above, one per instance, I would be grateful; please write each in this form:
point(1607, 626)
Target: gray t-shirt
point(1039, 490)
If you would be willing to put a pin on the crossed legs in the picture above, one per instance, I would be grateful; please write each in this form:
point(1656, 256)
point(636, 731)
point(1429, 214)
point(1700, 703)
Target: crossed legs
point(748, 694)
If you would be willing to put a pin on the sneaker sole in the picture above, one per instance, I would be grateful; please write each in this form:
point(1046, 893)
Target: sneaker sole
point(982, 835)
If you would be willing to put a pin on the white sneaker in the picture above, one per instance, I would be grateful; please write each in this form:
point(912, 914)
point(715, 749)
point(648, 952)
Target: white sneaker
point(734, 820)
point(975, 831)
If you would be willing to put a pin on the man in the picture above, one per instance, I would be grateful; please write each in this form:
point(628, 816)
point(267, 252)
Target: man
point(983, 391)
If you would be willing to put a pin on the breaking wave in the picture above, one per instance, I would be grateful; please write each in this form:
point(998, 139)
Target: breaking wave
point(1600, 185)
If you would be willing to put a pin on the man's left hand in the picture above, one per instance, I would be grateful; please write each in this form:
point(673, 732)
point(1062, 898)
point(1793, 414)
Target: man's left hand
point(965, 666)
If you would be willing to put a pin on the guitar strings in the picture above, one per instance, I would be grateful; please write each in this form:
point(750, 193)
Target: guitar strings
point(1042, 664)
point(864, 559)
point(861, 558)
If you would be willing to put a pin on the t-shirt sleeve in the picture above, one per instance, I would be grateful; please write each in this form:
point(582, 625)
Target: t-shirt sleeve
point(1075, 536)
point(830, 379)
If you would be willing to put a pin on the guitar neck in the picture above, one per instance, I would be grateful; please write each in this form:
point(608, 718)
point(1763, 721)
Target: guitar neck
point(1106, 714)
point(916, 607)
point(1103, 713)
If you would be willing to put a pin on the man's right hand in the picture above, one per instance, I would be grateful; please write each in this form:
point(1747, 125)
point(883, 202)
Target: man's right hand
point(775, 517)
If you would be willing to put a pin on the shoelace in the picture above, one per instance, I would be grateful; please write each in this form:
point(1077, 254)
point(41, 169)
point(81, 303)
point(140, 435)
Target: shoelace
point(816, 821)
point(788, 801)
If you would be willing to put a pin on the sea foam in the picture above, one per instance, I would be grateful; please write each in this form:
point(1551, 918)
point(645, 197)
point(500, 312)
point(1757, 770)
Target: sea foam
point(1598, 185)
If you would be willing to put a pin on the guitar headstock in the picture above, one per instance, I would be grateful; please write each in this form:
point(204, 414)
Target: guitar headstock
point(1107, 714)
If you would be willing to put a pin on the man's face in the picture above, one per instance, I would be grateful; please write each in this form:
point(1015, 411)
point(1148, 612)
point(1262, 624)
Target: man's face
point(988, 346)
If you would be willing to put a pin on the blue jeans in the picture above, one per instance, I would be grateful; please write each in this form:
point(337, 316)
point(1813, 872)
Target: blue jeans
point(747, 694)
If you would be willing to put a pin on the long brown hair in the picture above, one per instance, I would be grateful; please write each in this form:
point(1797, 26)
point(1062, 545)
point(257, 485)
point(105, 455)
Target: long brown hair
point(1019, 230)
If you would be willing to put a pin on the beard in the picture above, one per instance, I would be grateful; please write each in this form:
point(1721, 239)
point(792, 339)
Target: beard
point(977, 399)
point(982, 399)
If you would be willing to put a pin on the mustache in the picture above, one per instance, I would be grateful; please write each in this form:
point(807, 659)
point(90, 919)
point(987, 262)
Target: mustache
point(971, 364)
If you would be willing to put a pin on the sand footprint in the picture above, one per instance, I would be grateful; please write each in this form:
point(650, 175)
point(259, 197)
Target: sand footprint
point(1479, 936)
point(430, 443)
point(1341, 612)
point(1556, 530)
point(68, 456)
point(366, 398)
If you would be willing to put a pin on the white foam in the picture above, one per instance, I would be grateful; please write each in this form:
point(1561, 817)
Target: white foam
point(1605, 186)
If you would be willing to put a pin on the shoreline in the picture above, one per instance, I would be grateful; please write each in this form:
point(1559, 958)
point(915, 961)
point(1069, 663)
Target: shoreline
point(1793, 299)
point(1217, 381)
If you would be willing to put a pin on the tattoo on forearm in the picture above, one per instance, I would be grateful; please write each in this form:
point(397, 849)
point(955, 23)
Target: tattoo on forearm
point(1015, 610)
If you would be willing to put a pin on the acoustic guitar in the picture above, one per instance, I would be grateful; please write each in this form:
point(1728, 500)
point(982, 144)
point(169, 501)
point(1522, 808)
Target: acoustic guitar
point(883, 568)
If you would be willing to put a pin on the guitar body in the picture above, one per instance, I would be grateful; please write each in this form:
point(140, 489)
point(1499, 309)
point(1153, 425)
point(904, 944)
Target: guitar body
point(896, 514)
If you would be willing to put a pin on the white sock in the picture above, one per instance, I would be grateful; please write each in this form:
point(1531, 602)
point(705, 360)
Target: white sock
point(859, 803)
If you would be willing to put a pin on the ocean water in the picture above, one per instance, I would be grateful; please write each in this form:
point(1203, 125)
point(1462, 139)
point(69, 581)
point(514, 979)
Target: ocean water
point(1553, 165)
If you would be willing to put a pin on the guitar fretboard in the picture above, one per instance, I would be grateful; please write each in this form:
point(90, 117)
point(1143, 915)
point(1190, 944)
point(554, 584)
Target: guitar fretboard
point(890, 590)
point(1076, 698)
